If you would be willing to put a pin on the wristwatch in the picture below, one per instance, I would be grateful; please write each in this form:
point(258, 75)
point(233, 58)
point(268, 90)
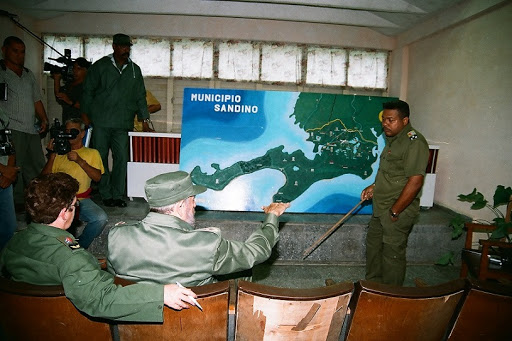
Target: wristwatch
point(393, 214)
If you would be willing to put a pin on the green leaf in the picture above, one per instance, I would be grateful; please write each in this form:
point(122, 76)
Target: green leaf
point(446, 259)
point(476, 198)
point(457, 225)
point(502, 228)
point(502, 195)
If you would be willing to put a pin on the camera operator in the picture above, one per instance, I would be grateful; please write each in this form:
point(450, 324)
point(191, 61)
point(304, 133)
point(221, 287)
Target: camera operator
point(8, 173)
point(85, 165)
point(69, 96)
point(23, 100)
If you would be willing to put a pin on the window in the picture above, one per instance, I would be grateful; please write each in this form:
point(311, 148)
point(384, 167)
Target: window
point(239, 61)
point(367, 69)
point(281, 63)
point(191, 58)
point(326, 66)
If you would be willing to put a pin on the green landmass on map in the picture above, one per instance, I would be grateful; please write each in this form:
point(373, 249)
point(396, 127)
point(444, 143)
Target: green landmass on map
point(340, 128)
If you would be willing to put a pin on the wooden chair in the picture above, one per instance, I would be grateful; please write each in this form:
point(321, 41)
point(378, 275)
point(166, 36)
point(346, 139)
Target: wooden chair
point(33, 312)
point(271, 313)
point(187, 324)
point(477, 262)
point(485, 313)
point(385, 312)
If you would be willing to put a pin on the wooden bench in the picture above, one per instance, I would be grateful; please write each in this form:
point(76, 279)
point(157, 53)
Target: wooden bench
point(384, 312)
point(485, 313)
point(187, 324)
point(34, 312)
point(271, 313)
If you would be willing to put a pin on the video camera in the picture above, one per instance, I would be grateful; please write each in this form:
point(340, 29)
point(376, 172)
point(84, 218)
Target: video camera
point(6, 147)
point(66, 70)
point(61, 138)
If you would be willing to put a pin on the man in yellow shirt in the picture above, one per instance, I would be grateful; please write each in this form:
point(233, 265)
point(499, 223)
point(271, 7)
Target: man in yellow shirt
point(85, 165)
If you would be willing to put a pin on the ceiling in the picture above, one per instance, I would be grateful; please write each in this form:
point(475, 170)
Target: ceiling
point(389, 17)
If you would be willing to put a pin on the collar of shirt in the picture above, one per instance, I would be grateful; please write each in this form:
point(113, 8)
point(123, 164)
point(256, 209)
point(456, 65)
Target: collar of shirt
point(166, 220)
point(50, 231)
point(115, 65)
point(406, 129)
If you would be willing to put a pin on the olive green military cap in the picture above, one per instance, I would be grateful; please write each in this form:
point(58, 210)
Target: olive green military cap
point(122, 40)
point(169, 188)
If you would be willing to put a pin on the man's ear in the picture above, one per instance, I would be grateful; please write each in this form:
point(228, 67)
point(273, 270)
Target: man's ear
point(405, 120)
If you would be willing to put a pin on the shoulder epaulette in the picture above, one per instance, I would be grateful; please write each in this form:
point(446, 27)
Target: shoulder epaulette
point(69, 242)
point(412, 135)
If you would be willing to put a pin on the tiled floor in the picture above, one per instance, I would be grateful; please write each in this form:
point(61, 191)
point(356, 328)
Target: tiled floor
point(309, 276)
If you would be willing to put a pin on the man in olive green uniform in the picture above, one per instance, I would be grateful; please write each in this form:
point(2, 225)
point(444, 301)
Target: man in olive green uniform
point(396, 195)
point(113, 92)
point(46, 254)
point(165, 248)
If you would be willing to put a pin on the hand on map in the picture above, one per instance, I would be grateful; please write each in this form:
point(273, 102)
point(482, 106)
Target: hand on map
point(276, 208)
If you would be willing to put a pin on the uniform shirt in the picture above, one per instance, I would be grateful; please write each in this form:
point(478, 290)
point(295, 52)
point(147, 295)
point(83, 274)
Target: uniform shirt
point(45, 255)
point(91, 156)
point(405, 154)
point(23, 93)
point(165, 249)
point(111, 97)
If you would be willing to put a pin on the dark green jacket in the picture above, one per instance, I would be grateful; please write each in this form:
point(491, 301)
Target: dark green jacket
point(405, 155)
point(45, 255)
point(112, 98)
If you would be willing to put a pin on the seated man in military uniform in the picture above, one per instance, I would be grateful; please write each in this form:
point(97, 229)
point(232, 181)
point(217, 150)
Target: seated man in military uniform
point(46, 254)
point(164, 247)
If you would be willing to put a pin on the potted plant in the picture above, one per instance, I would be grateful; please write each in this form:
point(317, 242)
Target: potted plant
point(502, 196)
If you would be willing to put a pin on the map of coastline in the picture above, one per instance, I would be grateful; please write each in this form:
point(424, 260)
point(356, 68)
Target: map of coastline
point(334, 135)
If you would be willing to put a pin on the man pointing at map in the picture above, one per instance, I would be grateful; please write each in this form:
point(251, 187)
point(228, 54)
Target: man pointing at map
point(395, 195)
point(165, 247)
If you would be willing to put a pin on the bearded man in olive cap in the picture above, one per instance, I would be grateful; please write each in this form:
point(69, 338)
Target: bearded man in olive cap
point(165, 248)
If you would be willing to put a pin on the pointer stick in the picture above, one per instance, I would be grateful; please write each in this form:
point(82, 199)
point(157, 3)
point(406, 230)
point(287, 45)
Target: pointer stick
point(331, 230)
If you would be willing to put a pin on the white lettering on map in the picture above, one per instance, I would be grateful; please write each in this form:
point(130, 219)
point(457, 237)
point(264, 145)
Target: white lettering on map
point(244, 109)
point(215, 98)
point(225, 98)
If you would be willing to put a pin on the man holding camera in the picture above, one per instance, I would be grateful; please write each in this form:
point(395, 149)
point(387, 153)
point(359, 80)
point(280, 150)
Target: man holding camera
point(24, 100)
point(8, 173)
point(85, 165)
point(68, 96)
point(113, 92)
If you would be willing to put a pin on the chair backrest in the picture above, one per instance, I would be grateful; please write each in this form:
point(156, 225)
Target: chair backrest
point(384, 312)
point(485, 313)
point(187, 324)
point(271, 313)
point(33, 312)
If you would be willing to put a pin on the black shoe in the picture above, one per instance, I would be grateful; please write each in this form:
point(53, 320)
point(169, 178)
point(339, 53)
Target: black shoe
point(109, 202)
point(119, 203)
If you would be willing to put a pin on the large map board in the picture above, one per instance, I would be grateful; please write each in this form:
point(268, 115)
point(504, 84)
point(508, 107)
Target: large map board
point(317, 151)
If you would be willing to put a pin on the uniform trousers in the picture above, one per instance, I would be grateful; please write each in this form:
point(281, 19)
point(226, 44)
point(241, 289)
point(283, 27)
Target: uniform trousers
point(30, 157)
point(113, 183)
point(386, 244)
point(7, 216)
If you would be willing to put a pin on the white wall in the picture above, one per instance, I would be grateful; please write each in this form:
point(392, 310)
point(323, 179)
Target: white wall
point(459, 87)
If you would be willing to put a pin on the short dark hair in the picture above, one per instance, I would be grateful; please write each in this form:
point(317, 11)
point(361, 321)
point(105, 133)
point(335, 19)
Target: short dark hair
point(46, 195)
point(82, 62)
point(398, 105)
point(12, 39)
point(76, 120)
